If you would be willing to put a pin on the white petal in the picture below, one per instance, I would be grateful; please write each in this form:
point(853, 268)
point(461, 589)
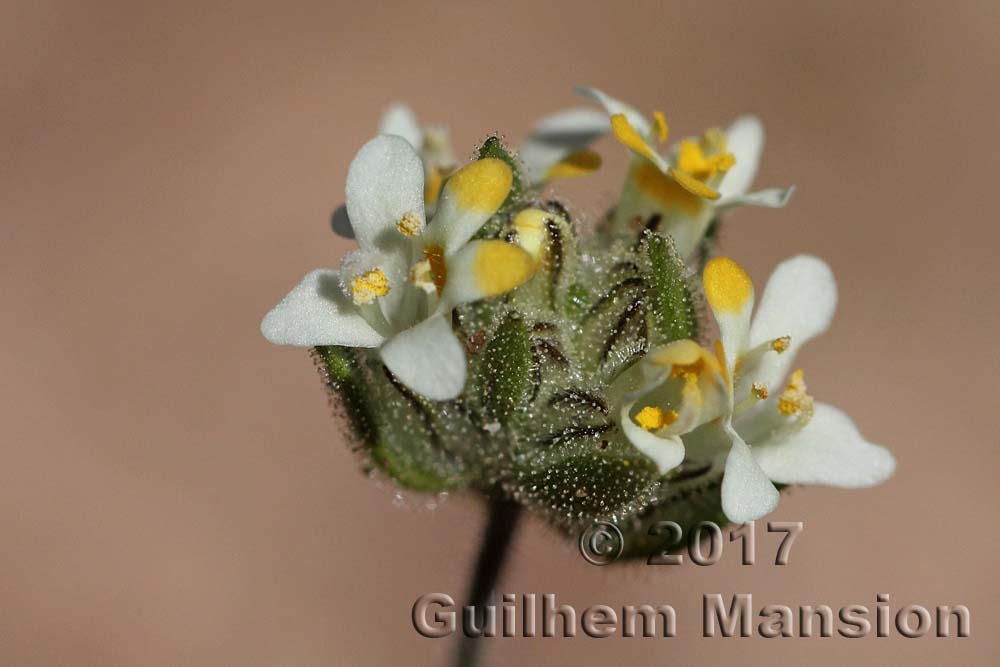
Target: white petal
point(667, 453)
point(827, 450)
point(769, 198)
point(798, 301)
point(745, 140)
point(686, 228)
point(614, 106)
point(747, 493)
point(483, 269)
point(707, 442)
point(340, 222)
point(469, 198)
point(400, 120)
point(569, 124)
point(384, 183)
point(557, 136)
point(428, 359)
point(316, 312)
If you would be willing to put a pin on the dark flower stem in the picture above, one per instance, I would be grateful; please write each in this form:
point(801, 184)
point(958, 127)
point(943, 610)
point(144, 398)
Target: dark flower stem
point(497, 537)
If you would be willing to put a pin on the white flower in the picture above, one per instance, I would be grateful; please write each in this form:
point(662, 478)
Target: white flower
point(396, 291)
point(683, 401)
point(792, 439)
point(555, 148)
point(695, 181)
point(669, 392)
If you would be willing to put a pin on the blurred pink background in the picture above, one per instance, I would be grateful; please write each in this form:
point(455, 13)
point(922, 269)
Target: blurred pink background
point(173, 490)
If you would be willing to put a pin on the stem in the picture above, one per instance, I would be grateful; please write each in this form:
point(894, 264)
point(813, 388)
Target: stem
point(497, 537)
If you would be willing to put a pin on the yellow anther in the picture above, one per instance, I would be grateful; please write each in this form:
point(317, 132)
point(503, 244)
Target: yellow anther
point(652, 418)
point(779, 345)
point(759, 390)
point(725, 162)
point(703, 160)
point(410, 224)
point(369, 286)
point(662, 130)
point(795, 400)
point(691, 159)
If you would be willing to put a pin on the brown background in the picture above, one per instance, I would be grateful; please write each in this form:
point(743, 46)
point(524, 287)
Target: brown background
point(172, 490)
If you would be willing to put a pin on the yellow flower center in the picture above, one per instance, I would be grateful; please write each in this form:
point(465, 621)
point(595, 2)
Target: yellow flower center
point(652, 418)
point(759, 390)
point(369, 286)
point(689, 372)
point(794, 400)
point(705, 159)
point(422, 276)
point(431, 273)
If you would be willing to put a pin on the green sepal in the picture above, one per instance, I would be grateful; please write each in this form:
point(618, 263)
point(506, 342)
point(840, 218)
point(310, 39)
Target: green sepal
point(341, 370)
point(612, 326)
point(577, 297)
point(396, 430)
point(581, 474)
point(506, 365)
point(669, 288)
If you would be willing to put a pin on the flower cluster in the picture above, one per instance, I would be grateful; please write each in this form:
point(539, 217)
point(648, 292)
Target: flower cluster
point(476, 338)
